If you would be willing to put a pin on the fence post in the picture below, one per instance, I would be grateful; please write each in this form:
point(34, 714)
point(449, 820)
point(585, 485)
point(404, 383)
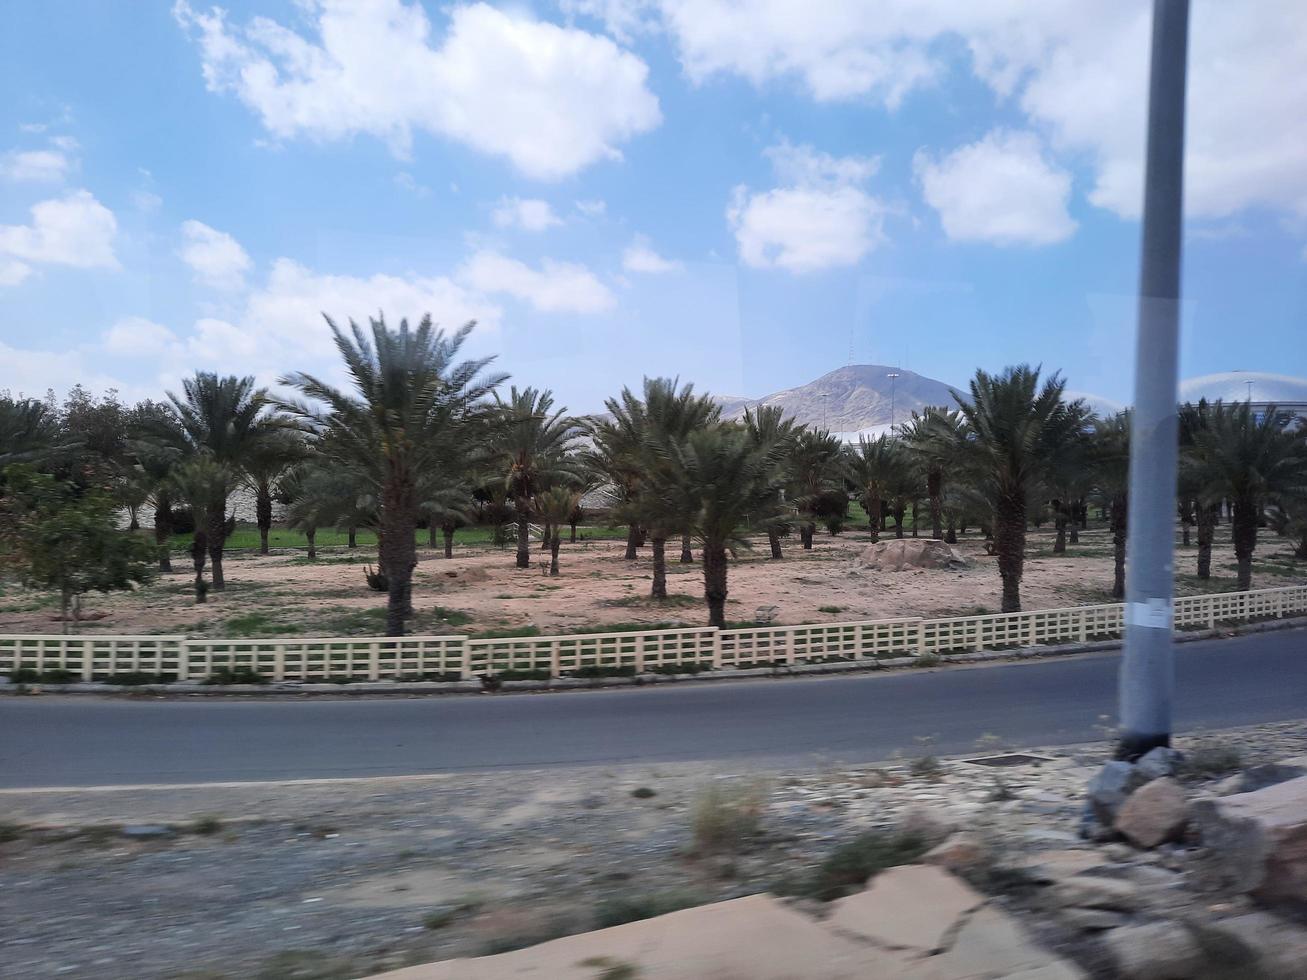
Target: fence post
point(717, 648)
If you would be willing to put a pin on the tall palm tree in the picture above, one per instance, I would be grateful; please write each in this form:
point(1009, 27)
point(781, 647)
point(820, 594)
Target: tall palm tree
point(29, 431)
point(555, 505)
point(1070, 474)
point(816, 466)
point(932, 435)
point(204, 483)
point(771, 432)
point(412, 408)
point(1247, 458)
point(732, 484)
point(1014, 427)
point(617, 450)
point(1191, 485)
point(532, 440)
point(224, 419)
point(446, 506)
point(1109, 457)
point(264, 464)
point(879, 468)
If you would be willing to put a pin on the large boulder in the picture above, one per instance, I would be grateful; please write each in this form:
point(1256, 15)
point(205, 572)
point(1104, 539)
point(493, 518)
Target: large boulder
point(1110, 788)
point(905, 554)
point(1257, 842)
point(1153, 814)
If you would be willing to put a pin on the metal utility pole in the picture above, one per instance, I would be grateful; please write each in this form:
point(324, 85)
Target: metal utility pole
point(892, 376)
point(1147, 668)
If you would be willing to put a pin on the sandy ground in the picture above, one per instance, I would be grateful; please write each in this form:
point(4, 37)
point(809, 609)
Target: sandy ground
point(480, 589)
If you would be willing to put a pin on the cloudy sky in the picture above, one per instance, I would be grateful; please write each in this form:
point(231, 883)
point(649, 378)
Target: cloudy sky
point(745, 194)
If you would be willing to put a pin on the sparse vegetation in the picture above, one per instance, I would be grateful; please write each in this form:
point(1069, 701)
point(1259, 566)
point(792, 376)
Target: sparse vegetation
point(847, 868)
point(633, 908)
point(727, 817)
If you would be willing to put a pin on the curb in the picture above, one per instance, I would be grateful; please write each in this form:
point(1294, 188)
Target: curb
point(396, 688)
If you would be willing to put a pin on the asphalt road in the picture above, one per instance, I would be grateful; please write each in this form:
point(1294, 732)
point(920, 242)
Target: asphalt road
point(72, 741)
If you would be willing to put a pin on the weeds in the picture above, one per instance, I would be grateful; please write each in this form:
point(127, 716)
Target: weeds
point(727, 817)
point(206, 826)
point(1209, 761)
point(848, 867)
point(633, 908)
point(235, 675)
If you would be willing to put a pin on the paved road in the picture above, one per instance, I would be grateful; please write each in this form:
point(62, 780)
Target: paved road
point(61, 741)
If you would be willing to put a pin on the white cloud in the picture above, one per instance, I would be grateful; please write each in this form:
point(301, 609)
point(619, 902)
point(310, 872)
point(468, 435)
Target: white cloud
point(146, 201)
point(592, 208)
point(406, 181)
point(556, 287)
point(822, 219)
point(550, 99)
point(216, 258)
point(12, 273)
point(1000, 189)
point(47, 166)
point(137, 336)
point(641, 257)
point(529, 214)
point(75, 230)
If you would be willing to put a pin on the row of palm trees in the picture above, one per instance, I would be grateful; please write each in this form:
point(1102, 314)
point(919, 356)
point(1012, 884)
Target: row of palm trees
point(421, 436)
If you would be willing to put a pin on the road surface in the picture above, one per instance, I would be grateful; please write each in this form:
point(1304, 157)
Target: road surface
point(77, 741)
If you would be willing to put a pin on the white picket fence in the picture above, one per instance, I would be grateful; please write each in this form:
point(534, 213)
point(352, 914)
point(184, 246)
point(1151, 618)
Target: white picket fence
point(459, 657)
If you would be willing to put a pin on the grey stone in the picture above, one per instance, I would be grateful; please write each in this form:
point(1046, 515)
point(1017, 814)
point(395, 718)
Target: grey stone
point(1092, 920)
point(1257, 842)
point(1110, 788)
point(1261, 945)
point(1269, 774)
point(1155, 951)
point(1158, 762)
point(1090, 892)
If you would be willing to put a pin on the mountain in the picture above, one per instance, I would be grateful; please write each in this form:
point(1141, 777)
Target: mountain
point(852, 399)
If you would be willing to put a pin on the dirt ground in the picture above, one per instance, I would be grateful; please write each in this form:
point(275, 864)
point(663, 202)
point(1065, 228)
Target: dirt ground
point(480, 590)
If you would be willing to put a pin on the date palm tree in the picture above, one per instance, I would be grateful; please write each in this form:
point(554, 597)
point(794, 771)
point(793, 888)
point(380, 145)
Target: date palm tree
point(1191, 486)
point(532, 440)
point(1248, 458)
point(204, 483)
point(880, 469)
point(29, 431)
point(411, 411)
point(555, 506)
point(731, 484)
point(224, 419)
point(617, 452)
point(932, 435)
point(771, 432)
point(816, 466)
point(264, 465)
point(1014, 427)
point(1109, 459)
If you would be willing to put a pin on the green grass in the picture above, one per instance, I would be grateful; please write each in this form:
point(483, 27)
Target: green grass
point(246, 538)
point(259, 624)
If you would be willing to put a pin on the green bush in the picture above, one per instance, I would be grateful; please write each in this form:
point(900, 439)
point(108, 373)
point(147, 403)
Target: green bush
point(135, 678)
point(235, 675)
point(598, 670)
point(727, 817)
point(690, 667)
point(55, 675)
point(848, 867)
point(632, 908)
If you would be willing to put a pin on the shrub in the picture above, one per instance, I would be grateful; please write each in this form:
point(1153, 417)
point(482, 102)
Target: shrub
point(206, 826)
point(135, 678)
point(727, 817)
point(243, 674)
point(377, 580)
point(848, 867)
point(1209, 761)
point(602, 670)
point(523, 675)
point(30, 675)
point(690, 667)
point(643, 793)
point(633, 908)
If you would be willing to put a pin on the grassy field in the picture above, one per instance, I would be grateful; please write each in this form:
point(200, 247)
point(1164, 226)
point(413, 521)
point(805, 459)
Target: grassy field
point(246, 537)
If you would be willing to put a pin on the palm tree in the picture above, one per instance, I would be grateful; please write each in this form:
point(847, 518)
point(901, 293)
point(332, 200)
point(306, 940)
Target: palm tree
point(732, 484)
point(264, 465)
point(1109, 456)
point(532, 440)
point(446, 506)
point(932, 435)
point(879, 468)
point(224, 419)
point(771, 432)
point(816, 467)
point(555, 505)
point(412, 408)
point(1014, 427)
point(1248, 458)
point(29, 431)
point(618, 447)
point(204, 483)
point(1190, 485)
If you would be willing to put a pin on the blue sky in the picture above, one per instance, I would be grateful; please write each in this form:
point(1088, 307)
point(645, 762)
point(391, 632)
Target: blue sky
point(745, 194)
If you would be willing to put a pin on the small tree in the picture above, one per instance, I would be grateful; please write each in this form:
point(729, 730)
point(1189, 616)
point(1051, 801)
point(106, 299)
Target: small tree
point(555, 506)
point(66, 541)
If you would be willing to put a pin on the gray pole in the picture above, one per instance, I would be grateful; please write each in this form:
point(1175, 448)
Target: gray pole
point(1147, 668)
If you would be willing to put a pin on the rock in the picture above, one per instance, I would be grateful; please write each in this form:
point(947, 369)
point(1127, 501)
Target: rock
point(1152, 814)
point(146, 831)
point(913, 907)
point(908, 553)
point(1257, 842)
point(1090, 892)
point(1269, 774)
point(1260, 945)
point(959, 853)
point(1092, 920)
point(992, 944)
point(1158, 762)
point(1155, 951)
point(1109, 789)
point(1046, 867)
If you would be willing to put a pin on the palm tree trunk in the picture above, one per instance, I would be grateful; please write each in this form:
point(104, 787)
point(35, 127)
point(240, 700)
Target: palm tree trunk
point(1059, 543)
point(714, 583)
point(431, 535)
point(1206, 532)
point(199, 550)
point(554, 541)
point(311, 536)
point(774, 539)
point(805, 535)
point(686, 555)
point(548, 536)
point(449, 541)
point(397, 552)
point(1301, 551)
point(631, 532)
point(572, 539)
point(659, 588)
point(134, 517)
point(915, 522)
point(523, 544)
point(1184, 534)
point(1243, 527)
point(163, 530)
point(641, 535)
point(1119, 514)
point(873, 515)
point(263, 514)
point(1010, 547)
point(898, 522)
point(353, 536)
point(217, 538)
point(951, 532)
point(935, 490)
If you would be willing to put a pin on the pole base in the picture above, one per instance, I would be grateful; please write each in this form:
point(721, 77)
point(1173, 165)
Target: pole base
point(1133, 745)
